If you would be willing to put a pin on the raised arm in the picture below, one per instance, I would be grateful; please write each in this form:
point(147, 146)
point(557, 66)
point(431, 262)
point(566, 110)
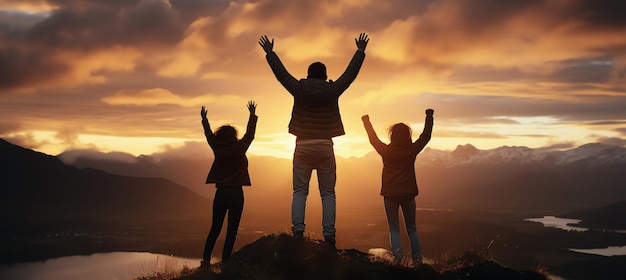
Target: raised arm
point(208, 133)
point(378, 145)
point(282, 75)
point(361, 43)
point(349, 75)
point(251, 128)
point(424, 138)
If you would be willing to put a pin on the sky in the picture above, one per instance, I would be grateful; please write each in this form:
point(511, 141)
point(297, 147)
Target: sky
point(131, 75)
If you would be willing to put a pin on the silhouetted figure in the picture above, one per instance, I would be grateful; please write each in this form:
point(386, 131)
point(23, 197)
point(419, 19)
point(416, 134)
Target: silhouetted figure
point(229, 172)
point(399, 185)
point(315, 120)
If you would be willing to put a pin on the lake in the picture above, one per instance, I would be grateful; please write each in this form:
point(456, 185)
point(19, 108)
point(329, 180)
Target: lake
point(104, 266)
point(607, 252)
point(556, 222)
point(564, 224)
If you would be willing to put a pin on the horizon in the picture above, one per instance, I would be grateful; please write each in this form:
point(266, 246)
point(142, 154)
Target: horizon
point(131, 76)
point(189, 151)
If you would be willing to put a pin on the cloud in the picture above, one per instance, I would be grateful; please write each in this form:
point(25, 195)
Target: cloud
point(142, 68)
point(189, 150)
point(25, 140)
point(84, 37)
point(71, 155)
point(68, 136)
point(158, 96)
point(7, 127)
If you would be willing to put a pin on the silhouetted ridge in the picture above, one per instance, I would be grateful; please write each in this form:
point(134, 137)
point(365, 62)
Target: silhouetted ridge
point(39, 189)
point(609, 217)
point(284, 257)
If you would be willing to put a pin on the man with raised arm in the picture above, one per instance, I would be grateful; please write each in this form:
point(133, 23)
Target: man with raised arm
point(315, 120)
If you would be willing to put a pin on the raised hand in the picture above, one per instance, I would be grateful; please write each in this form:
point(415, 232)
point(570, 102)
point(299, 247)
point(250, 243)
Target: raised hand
point(265, 43)
point(365, 118)
point(430, 112)
point(203, 113)
point(361, 43)
point(252, 107)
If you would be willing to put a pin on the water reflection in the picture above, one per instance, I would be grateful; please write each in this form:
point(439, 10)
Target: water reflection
point(556, 222)
point(607, 252)
point(106, 266)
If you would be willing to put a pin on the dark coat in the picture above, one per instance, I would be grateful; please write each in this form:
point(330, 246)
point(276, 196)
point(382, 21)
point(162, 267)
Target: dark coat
point(230, 167)
point(398, 179)
point(315, 113)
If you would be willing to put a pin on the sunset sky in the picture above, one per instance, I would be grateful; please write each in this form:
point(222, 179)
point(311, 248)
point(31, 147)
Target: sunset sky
point(131, 76)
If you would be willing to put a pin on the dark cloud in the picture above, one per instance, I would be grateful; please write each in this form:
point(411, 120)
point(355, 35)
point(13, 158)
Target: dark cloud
point(190, 10)
point(621, 130)
point(29, 57)
point(602, 14)
point(385, 13)
point(477, 17)
point(584, 70)
point(455, 25)
point(585, 109)
point(13, 23)
point(579, 70)
point(86, 4)
point(150, 23)
point(24, 66)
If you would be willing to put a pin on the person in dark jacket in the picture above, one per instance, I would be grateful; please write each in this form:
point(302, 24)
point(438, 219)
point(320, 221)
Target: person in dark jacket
point(399, 185)
point(315, 120)
point(229, 173)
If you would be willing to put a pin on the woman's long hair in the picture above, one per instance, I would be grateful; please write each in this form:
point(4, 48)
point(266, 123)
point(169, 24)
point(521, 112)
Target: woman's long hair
point(400, 134)
point(226, 134)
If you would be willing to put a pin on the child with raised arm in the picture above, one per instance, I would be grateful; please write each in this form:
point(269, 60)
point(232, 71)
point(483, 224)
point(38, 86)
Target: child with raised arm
point(229, 173)
point(399, 185)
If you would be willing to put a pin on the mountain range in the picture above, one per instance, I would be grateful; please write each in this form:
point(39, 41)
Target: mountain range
point(509, 177)
point(163, 200)
point(39, 189)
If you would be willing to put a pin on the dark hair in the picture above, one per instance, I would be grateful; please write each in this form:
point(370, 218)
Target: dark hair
point(317, 70)
point(226, 134)
point(400, 134)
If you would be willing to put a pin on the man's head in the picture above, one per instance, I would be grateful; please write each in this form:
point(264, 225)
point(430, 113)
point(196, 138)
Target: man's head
point(317, 70)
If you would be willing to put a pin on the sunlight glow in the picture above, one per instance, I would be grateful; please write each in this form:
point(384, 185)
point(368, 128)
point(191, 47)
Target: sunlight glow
point(30, 7)
point(52, 145)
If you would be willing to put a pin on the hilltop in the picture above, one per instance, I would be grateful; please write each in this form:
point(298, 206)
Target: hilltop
point(284, 257)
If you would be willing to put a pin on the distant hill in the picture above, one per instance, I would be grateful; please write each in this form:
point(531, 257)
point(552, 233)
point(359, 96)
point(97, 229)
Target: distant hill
point(38, 189)
point(509, 177)
point(609, 217)
point(283, 257)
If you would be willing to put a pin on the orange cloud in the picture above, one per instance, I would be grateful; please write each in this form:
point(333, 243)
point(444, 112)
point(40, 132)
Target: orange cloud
point(158, 96)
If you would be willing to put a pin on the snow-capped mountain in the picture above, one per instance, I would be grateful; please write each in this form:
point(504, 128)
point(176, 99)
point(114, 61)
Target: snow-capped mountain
point(589, 155)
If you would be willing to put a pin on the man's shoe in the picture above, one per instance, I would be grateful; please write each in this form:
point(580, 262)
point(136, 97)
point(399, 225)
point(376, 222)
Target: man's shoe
point(205, 264)
point(298, 234)
point(330, 240)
